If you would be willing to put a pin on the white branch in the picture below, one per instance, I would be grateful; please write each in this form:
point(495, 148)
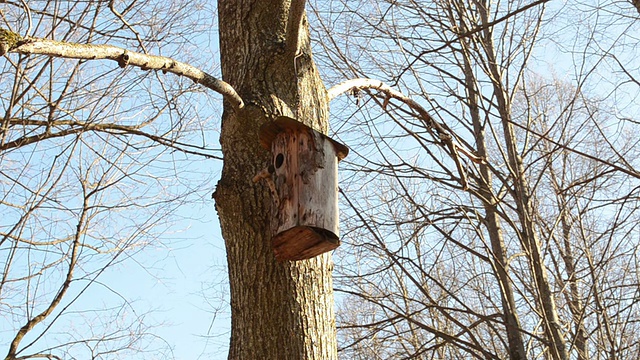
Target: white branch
point(36, 46)
point(362, 84)
point(445, 135)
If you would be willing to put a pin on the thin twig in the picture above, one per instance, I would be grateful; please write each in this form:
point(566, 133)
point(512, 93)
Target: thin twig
point(28, 11)
point(126, 23)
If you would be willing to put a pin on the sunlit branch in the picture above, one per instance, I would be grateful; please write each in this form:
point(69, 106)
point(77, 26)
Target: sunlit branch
point(38, 46)
point(40, 356)
point(445, 135)
point(77, 127)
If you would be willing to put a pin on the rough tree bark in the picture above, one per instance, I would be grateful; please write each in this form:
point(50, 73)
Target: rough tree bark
point(279, 310)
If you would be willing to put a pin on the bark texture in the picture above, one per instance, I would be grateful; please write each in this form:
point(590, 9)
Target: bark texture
point(279, 310)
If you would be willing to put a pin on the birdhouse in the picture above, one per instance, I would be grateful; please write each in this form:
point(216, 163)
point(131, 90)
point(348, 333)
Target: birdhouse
point(303, 178)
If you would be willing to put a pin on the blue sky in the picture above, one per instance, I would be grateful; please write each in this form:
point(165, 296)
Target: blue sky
point(182, 286)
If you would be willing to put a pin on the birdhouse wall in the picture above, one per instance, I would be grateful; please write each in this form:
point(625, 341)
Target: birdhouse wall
point(306, 180)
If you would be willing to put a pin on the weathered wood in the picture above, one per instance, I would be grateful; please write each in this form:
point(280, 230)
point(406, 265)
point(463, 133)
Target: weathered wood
point(303, 242)
point(305, 220)
point(269, 131)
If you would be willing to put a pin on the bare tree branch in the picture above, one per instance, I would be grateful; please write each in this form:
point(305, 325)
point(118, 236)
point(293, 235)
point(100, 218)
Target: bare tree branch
point(11, 42)
point(445, 135)
point(73, 257)
point(73, 127)
point(478, 29)
point(77, 127)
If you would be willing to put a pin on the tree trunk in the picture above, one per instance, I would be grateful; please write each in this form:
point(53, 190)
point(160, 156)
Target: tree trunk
point(278, 310)
point(566, 247)
point(528, 237)
point(511, 320)
point(512, 323)
point(522, 197)
point(490, 203)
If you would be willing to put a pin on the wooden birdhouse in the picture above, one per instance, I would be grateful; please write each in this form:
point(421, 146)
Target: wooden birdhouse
point(304, 186)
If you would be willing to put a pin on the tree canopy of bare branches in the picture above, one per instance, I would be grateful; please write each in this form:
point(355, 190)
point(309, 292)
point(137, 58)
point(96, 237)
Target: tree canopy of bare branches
point(527, 253)
point(491, 194)
point(90, 161)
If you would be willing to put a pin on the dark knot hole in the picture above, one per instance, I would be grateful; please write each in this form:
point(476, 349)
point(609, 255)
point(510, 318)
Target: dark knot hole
point(279, 160)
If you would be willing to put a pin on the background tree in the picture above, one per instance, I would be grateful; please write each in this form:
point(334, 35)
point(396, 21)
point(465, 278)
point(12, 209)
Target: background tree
point(92, 171)
point(280, 310)
point(492, 259)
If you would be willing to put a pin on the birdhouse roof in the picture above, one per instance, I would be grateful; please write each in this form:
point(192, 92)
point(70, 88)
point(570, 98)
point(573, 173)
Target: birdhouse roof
point(270, 130)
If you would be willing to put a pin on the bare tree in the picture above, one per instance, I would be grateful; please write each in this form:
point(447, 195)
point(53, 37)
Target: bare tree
point(89, 156)
point(280, 310)
point(464, 185)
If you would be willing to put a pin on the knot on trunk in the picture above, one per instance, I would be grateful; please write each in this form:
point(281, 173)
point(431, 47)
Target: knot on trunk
point(8, 41)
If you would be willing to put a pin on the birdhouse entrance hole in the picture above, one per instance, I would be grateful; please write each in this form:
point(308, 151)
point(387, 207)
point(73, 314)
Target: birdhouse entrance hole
point(279, 161)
